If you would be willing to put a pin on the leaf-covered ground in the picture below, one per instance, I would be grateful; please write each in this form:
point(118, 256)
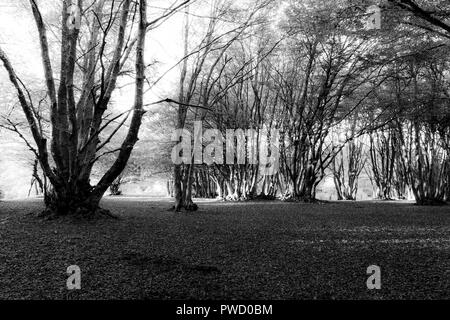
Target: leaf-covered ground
point(256, 250)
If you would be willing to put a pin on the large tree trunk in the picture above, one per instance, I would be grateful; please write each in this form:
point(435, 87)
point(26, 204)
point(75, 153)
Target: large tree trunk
point(76, 126)
point(182, 172)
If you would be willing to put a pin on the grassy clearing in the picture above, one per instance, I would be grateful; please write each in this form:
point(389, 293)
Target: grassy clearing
point(252, 250)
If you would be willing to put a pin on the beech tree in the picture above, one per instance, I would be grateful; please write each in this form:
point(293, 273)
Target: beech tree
point(77, 108)
point(213, 76)
point(324, 77)
point(347, 166)
point(384, 152)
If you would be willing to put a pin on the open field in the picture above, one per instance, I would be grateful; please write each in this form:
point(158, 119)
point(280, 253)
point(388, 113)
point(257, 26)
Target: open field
point(255, 250)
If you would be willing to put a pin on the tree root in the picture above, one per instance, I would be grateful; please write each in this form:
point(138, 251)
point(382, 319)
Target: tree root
point(263, 197)
point(431, 202)
point(189, 207)
point(302, 199)
point(245, 198)
point(80, 213)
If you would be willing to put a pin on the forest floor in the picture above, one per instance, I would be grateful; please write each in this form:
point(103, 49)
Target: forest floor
point(255, 250)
